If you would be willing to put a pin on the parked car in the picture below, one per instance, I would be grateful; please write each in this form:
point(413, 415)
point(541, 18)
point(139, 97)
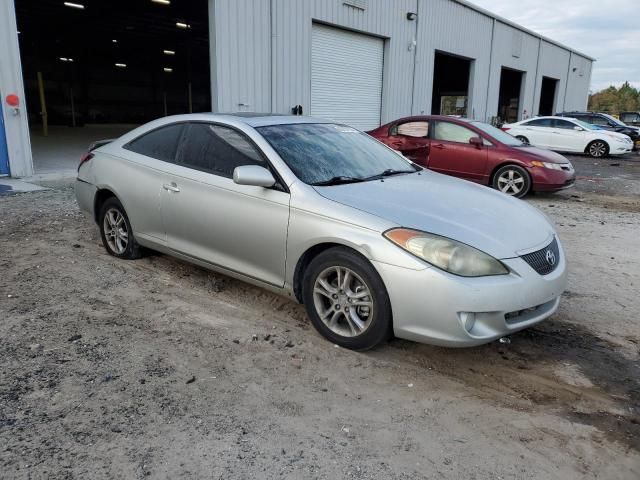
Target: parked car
point(630, 118)
point(371, 243)
point(565, 134)
point(606, 122)
point(478, 152)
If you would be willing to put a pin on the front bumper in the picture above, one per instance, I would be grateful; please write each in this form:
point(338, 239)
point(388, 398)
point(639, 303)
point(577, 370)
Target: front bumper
point(430, 305)
point(621, 148)
point(547, 180)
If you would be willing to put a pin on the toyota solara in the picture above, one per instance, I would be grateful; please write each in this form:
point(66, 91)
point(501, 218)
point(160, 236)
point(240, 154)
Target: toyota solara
point(372, 244)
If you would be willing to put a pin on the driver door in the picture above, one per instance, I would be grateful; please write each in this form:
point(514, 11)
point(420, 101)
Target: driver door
point(208, 217)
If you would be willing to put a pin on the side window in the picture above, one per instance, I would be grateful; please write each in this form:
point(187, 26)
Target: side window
point(414, 129)
point(538, 122)
point(598, 120)
point(564, 124)
point(161, 143)
point(451, 132)
point(217, 149)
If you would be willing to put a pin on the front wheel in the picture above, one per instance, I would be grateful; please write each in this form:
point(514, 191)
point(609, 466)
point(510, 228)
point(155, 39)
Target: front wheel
point(523, 139)
point(597, 149)
point(346, 299)
point(512, 180)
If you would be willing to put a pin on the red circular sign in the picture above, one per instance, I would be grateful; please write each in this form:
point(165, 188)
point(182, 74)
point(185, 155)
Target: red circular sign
point(13, 100)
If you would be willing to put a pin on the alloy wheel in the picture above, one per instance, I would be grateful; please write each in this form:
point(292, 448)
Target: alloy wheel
point(511, 182)
point(597, 149)
point(115, 231)
point(343, 301)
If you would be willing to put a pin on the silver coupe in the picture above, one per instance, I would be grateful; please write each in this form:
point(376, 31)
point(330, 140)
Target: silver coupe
point(370, 243)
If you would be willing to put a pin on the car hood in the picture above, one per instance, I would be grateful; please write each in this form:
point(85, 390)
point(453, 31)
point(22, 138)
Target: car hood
point(542, 154)
point(486, 219)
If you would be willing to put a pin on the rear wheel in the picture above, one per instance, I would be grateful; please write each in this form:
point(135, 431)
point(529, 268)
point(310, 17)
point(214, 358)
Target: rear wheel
point(346, 299)
point(512, 180)
point(116, 232)
point(523, 139)
point(598, 149)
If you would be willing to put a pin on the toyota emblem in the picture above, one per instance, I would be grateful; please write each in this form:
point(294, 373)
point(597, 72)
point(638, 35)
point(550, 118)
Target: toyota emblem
point(551, 257)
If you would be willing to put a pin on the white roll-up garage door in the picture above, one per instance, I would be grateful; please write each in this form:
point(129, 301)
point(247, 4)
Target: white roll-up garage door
point(346, 76)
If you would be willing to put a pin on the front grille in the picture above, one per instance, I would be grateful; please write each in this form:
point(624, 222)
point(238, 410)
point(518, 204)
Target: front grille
point(546, 260)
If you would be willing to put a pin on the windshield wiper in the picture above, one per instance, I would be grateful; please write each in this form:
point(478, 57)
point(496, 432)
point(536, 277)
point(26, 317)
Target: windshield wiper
point(388, 173)
point(339, 180)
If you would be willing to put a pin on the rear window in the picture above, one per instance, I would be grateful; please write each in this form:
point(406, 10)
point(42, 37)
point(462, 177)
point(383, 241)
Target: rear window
point(538, 122)
point(161, 143)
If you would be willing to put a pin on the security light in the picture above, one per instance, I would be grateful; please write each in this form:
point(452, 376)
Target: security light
point(79, 6)
point(167, 69)
point(162, 2)
point(168, 52)
point(121, 65)
point(182, 25)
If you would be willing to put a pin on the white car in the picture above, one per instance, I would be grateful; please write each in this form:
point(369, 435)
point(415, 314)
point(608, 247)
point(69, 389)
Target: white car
point(569, 135)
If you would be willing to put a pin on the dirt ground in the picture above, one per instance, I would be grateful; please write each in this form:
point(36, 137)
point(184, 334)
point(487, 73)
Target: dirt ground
point(156, 368)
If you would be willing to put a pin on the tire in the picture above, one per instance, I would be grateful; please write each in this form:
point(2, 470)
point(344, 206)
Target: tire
point(523, 139)
point(115, 230)
point(369, 321)
point(597, 149)
point(512, 180)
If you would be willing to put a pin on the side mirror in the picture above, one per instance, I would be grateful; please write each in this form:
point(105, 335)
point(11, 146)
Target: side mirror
point(477, 141)
point(253, 175)
point(577, 128)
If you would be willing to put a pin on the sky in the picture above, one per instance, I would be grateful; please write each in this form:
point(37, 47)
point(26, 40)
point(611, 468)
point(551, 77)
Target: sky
point(608, 30)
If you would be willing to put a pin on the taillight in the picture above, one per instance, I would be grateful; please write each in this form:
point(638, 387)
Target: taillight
point(85, 158)
point(505, 129)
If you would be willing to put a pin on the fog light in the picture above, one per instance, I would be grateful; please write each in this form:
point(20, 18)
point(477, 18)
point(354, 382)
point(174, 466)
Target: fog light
point(468, 320)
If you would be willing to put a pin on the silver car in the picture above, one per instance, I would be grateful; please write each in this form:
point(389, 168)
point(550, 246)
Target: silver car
point(370, 243)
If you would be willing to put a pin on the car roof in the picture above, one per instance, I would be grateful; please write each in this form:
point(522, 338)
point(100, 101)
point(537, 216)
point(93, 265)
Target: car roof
point(449, 118)
point(256, 119)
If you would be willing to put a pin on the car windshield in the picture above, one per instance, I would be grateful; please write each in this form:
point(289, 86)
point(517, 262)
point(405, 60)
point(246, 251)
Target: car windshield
point(499, 135)
point(585, 125)
point(323, 153)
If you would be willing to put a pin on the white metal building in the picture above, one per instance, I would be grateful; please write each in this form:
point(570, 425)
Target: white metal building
point(361, 62)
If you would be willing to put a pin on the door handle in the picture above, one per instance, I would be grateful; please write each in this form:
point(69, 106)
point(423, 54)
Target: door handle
point(171, 187)
point(439, 146)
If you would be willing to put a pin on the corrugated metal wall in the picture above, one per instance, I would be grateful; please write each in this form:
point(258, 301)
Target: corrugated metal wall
point(524, 59)
point(453, 28)
point(261, 54)
point(554, 63)
point(577, 95)
point(291, 27)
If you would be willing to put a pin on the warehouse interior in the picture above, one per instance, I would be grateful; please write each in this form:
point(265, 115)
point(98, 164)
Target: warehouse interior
point(511, 82)
point(548, 95)
point(95, 69)
point(451, 79)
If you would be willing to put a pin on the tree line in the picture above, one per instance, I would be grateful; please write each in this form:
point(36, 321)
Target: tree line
point(615, 100)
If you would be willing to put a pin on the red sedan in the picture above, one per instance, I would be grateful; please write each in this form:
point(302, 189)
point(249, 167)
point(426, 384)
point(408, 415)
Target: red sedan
point(478, 152)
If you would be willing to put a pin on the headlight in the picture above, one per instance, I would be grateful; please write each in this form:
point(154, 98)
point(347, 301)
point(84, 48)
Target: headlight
point(449, 255)
point(551, 166)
